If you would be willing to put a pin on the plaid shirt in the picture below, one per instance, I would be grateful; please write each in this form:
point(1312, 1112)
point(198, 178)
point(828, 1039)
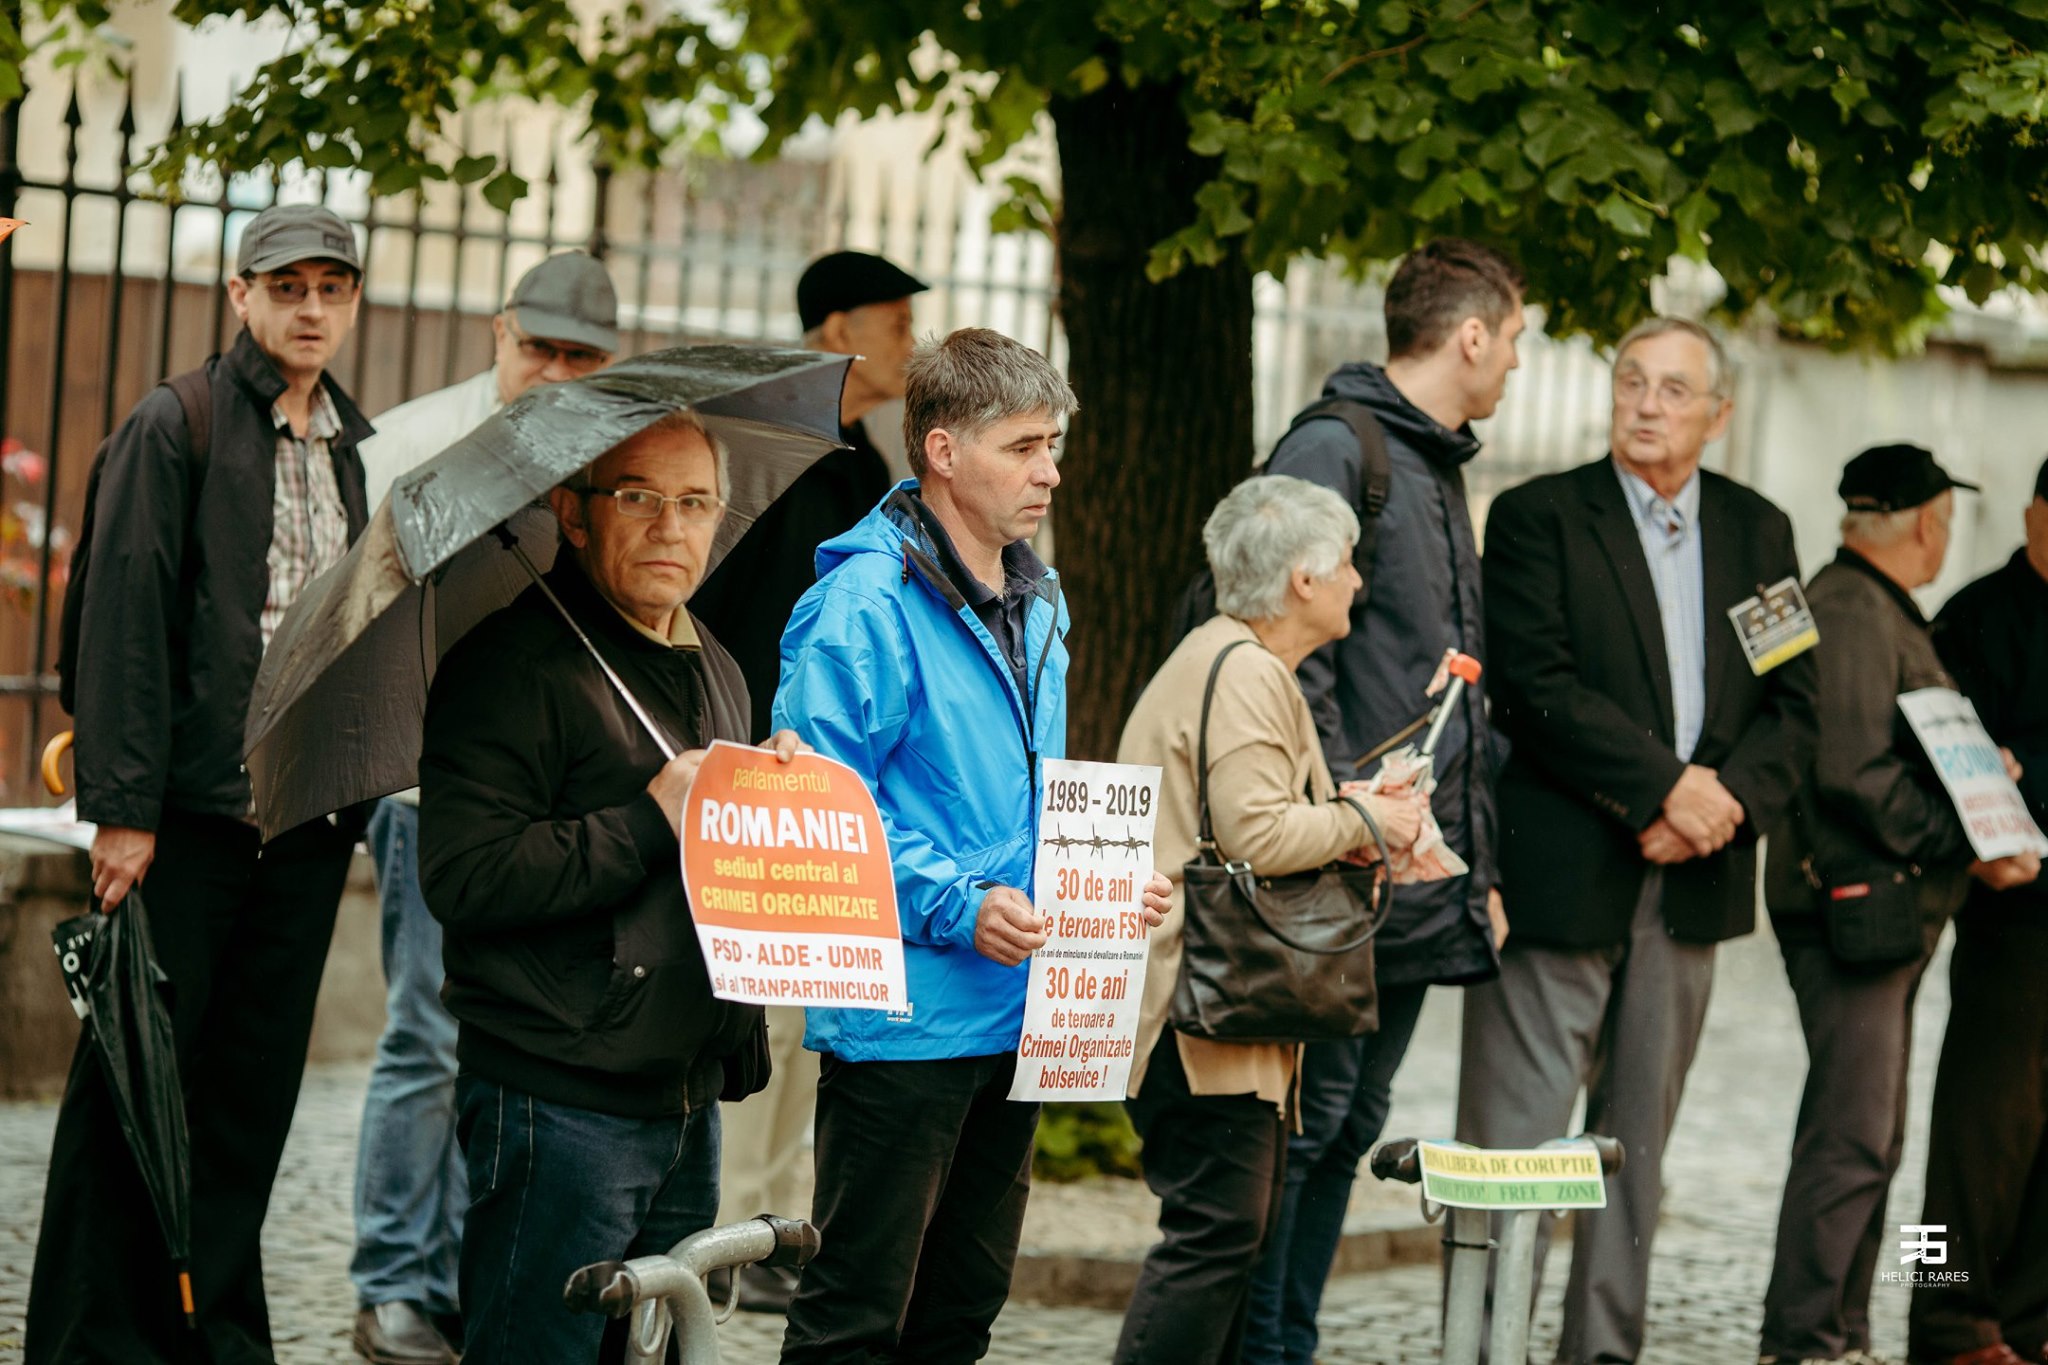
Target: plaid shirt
point(309, 521)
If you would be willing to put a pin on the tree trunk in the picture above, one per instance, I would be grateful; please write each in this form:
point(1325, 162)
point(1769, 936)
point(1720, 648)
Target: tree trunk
point(1164, 375)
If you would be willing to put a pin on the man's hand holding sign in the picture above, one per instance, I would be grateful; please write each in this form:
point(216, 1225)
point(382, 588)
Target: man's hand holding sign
point(1981, 780)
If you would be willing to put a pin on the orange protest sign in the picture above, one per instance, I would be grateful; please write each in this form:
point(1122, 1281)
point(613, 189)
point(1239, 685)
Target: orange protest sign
point(8, 225)
point(788, 874)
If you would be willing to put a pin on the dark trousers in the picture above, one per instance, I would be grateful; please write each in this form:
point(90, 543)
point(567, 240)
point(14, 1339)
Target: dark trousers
point(1217, 1163)
point(1846, 1147)
point(923, 1172)
point(243, 940)
point(1347, 1086)
point(1987, 1152)
point(554, 1188)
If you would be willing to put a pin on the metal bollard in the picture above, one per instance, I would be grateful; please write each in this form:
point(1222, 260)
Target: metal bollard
point(1471, 1248)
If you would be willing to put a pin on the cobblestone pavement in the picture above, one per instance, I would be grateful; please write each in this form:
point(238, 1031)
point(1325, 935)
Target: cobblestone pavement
point(1725, 1170)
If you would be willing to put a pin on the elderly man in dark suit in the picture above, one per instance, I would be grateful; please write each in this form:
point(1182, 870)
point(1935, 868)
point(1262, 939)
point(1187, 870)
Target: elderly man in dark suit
point(1646, 755)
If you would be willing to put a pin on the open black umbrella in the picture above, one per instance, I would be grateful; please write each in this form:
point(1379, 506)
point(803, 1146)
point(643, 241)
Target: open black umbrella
point(119, 990)
point(335, 715)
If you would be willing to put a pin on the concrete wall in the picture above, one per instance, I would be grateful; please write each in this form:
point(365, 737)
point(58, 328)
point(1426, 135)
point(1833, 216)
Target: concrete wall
point(1804, 411)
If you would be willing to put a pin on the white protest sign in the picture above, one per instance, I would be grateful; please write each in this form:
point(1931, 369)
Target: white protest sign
point(1094, 857)
point(1994, 813)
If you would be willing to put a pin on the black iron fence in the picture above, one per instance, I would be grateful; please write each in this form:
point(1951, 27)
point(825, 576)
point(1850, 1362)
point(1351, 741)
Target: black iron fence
point(113, 286)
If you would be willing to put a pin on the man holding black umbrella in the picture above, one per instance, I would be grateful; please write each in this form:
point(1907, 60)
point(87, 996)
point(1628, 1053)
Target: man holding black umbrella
point(168, 651)
point(590, 1047)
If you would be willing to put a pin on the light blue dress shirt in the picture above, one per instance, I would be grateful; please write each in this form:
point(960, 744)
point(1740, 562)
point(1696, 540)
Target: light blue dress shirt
point(1670, 532)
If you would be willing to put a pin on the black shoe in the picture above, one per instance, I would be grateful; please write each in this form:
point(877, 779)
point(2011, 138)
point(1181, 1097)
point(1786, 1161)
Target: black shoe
point(400, 1334)
point(766, 1289)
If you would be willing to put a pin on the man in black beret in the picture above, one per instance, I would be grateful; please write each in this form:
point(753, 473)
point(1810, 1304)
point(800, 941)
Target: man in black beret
point(851, 303)
point(1863, 874)
point(1987, 1149)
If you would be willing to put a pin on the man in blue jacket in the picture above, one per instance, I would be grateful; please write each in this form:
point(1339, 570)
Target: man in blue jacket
point(930, 658)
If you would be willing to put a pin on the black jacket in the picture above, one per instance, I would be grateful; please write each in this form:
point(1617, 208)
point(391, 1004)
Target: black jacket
point(1425, 598)
point(1582, 690)
point(573, 964)
point(1993, 635)
point(1871, 801)
point(169, 639)
point(748, 599)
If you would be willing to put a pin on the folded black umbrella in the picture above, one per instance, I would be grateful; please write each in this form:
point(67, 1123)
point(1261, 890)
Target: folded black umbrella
point(335, 715)
point(119, 990)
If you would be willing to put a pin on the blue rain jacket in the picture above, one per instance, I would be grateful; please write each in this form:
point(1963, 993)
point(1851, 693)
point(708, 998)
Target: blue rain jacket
point(888, 670)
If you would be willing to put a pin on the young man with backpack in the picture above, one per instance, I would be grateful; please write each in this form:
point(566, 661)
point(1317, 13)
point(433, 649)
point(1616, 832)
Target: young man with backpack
point(212, 507)
point(1394, 441)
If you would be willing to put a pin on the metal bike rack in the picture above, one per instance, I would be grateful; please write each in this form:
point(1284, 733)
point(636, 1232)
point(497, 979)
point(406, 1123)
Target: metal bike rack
point(1471, 1246)
point(666, 1293)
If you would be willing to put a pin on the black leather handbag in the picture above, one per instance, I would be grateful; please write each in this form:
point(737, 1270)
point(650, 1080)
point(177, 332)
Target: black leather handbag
point(1274, 959)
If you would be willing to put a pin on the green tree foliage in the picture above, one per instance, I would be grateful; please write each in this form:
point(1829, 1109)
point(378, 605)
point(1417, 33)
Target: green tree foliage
point(1076, 1141)
point(1835, 160)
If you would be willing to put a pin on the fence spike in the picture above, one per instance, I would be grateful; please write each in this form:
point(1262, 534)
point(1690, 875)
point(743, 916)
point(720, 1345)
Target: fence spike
point(73, 115)
point(178, 103)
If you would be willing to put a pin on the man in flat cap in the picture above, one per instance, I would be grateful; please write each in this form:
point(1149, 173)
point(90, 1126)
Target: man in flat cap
point(1864, 871)
point(851, 303)
point(225, 492)
point(1987, 1145)
point(561, 322)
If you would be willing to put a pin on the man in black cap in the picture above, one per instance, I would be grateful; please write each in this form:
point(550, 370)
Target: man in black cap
point(561, 322)
point(853, 304)
point(1987, 1151)
point(223, 495)
point(1872, 843)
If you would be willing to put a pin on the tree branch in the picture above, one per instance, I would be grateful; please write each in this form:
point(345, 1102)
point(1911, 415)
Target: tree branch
point(1398, 49)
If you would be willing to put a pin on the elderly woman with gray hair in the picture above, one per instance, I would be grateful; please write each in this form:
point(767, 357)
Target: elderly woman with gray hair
point(1213, 1114)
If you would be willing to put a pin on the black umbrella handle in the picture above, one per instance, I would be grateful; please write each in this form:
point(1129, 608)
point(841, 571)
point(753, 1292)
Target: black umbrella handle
point(511, 542)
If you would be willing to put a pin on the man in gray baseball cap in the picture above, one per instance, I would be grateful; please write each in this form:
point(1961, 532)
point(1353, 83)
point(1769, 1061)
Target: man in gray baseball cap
point(254, 458)
point(286, 234)
point(561, 322)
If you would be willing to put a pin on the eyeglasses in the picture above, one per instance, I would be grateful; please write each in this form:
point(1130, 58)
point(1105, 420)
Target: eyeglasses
point(578, 359)
point(1672, 393)
point(332, 292)
point(646, 504)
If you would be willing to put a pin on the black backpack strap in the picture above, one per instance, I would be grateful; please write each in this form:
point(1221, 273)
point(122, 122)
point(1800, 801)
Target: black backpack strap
point(1375, 472)
point(1205, 836)
point(194, 389)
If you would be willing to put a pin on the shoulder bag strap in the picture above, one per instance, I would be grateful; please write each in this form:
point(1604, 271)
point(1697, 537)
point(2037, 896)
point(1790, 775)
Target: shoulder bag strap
point(1205, 836)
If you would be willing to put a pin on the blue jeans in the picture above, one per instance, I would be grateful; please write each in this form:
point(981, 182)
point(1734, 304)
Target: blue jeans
point(554, 1188)
point(1346, 1087)
point(410, 1185)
